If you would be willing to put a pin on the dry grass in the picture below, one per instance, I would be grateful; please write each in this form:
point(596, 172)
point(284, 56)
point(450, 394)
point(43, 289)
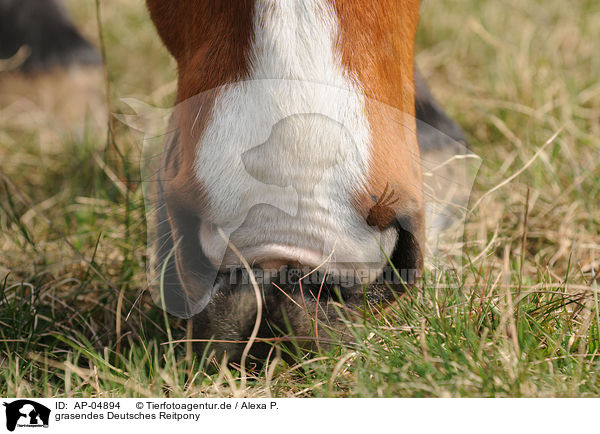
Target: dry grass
point(75, 318)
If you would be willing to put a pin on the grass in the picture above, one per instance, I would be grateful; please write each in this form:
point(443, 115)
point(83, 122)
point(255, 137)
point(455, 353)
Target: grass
point(523, 320)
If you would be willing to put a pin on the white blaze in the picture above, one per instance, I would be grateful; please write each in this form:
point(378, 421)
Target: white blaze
point(294, 136)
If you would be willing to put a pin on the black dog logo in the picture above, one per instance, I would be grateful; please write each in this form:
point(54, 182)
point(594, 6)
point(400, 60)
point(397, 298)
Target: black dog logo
point(26, 413)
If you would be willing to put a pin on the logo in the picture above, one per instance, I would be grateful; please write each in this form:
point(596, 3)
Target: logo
point(26, 414)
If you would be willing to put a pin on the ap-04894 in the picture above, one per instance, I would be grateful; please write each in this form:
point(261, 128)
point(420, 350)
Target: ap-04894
point(97, 405)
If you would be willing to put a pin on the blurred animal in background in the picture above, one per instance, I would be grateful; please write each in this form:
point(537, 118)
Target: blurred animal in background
point(50, 75)
point(43, 32)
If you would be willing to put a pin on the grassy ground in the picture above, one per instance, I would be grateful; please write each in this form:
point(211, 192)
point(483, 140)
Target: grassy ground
point(524, 320)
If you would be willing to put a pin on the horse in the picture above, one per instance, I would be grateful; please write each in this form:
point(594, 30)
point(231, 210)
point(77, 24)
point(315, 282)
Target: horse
point(290, 186)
